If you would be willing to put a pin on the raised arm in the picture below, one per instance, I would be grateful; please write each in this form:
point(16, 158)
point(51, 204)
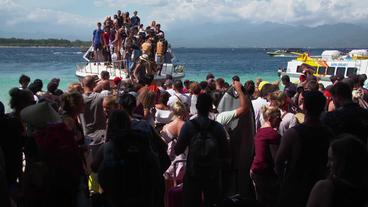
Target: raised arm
point(244, 103)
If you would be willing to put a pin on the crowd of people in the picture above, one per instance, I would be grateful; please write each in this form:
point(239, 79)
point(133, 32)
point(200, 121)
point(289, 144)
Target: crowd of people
point(123, 143)
point(124, 41)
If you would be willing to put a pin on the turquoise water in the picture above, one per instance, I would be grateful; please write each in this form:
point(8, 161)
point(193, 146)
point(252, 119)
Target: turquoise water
point(47, 63)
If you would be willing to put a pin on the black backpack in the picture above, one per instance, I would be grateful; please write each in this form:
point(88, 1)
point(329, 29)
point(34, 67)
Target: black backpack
point(129, 172)
point(203, 156)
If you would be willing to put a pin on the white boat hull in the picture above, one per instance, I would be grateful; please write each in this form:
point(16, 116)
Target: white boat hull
point(92, 68)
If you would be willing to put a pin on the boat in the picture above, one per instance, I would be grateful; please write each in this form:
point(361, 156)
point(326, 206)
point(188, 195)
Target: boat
point(330, 63)
point(292, 52)
point(115, 69)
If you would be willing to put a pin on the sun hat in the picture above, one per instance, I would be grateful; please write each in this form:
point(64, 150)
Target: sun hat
point(143, 57)
point(40, 115)
point(261, 84)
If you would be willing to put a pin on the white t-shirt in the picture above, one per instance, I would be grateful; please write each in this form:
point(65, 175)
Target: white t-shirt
point(223, 118)
point(183, 98)
point(257, 106)
point(170, 91)
point(193, 102)
point(288, 121)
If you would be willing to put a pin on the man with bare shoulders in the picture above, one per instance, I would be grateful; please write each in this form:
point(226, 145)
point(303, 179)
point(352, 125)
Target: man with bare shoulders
point(117, 42)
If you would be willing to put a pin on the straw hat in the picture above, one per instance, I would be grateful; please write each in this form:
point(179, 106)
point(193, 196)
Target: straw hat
point(144, 57)
point(40, 115)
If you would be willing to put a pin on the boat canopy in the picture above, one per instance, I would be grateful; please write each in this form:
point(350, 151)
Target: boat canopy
point(330, 54)
point(358, 53)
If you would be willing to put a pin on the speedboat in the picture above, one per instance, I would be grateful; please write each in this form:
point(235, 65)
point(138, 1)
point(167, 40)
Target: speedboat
point(330, 63)
point(285, 53)
point(115, 69)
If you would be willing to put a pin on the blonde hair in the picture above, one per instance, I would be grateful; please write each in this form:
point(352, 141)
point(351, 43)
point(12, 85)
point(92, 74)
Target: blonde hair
point(179, 109)
point(270, 112)
point(278, 98)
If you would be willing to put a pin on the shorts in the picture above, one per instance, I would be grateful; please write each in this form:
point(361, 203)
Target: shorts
point(97, 46)
point(159, 59)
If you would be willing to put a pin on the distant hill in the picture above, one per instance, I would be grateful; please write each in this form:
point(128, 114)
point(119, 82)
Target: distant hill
point(266, 35)
point(223, 35)
point(16, 42)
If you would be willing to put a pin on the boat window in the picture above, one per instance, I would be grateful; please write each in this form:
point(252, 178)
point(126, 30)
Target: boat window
point(340, 71)
point(330, 71)
point(299, 69)
point(321, 70)
point(351, 71)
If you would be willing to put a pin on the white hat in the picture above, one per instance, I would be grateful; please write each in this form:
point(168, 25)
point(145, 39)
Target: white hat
point(40, 115)
point(143, 57)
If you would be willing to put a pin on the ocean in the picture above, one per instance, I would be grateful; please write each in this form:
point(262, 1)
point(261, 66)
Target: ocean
point(48, 63)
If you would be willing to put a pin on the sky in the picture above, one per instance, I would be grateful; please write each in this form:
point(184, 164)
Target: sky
point(76, 19)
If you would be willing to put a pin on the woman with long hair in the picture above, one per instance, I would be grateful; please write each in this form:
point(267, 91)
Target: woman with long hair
point(266, 144)
point(170, 133)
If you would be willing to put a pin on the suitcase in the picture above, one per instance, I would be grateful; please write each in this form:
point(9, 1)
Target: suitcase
point(175, 194)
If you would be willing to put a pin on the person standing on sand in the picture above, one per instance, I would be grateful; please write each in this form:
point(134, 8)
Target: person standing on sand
point(97, 42)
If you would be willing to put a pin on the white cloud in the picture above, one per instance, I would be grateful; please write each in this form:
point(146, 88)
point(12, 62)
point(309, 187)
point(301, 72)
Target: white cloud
point(124, 3)
point(305, 12)
point(39, 15)
point(15, 13)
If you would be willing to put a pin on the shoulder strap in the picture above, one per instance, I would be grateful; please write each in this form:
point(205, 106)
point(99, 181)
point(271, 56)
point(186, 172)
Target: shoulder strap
point(282, 117)
point(178, 98)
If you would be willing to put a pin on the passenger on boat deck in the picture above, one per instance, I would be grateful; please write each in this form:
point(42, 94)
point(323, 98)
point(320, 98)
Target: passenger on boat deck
point(135, 20)
point(159, 32)
point(97, 42)
point(106, 44)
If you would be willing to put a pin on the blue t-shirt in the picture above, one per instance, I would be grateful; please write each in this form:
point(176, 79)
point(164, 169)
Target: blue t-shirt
point(97, 36)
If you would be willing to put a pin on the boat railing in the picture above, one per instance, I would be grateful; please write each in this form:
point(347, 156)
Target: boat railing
point(116, 68)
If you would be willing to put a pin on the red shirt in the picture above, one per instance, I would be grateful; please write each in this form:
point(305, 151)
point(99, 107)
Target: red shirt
point(263, 162)
point(106, 37)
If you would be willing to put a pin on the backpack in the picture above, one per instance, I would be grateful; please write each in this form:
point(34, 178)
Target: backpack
point(129, 171)
point(203, 155)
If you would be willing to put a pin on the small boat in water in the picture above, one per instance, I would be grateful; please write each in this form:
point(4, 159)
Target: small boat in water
point(331, 63)
point(293, 52)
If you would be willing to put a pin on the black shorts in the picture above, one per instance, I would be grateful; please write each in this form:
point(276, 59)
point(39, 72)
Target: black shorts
point(97, 46)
